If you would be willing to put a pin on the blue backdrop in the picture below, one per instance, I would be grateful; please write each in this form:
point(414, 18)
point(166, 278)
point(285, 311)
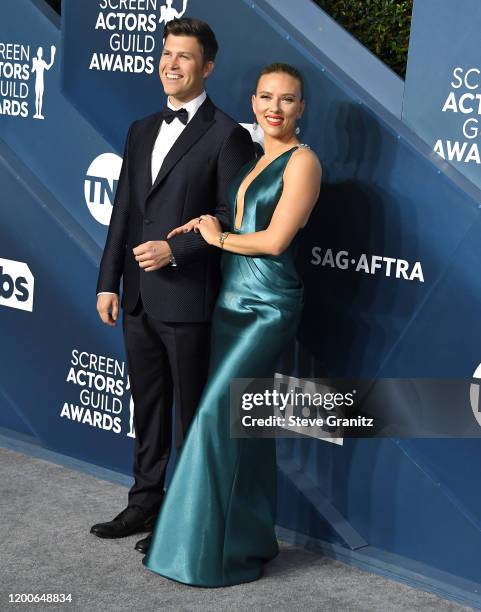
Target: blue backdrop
point(413, 504)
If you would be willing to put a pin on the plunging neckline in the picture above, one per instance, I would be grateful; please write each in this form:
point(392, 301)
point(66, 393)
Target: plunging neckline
point(238, 229)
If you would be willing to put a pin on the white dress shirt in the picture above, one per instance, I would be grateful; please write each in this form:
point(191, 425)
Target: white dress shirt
point(168, 134)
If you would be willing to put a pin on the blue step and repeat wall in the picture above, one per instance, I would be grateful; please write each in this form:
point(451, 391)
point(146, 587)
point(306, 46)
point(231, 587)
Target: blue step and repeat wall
point(390, 258)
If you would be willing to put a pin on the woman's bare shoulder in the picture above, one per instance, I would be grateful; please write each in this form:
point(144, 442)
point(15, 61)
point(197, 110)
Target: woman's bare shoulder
point(304, 159)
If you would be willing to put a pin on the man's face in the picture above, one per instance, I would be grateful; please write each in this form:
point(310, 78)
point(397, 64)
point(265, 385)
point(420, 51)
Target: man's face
point(182, 69)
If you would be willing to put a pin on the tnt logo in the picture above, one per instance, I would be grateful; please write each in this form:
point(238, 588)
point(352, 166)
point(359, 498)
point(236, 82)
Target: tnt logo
point(100, 186)
point(474, 393)
point(282, 384)
point(16, 285)
point(257, 134)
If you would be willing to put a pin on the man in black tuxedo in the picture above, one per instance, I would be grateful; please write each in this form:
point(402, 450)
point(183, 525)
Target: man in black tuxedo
point(177, 165)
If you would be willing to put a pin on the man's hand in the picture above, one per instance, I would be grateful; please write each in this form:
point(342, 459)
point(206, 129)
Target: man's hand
point(108, 308)
point(152, 255)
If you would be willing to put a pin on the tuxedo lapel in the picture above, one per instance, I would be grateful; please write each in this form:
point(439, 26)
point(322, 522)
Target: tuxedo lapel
point(194, 130)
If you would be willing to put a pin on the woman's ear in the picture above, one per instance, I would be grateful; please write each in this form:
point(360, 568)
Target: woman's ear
point(301, 110)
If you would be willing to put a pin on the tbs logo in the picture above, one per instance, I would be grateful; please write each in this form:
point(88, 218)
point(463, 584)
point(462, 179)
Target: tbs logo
point(16, 285)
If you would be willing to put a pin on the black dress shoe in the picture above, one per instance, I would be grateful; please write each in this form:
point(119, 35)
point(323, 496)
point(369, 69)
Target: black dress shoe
point(143, 545)
point(131, 520)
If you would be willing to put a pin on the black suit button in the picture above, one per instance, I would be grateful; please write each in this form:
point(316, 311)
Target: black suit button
point(147, 221)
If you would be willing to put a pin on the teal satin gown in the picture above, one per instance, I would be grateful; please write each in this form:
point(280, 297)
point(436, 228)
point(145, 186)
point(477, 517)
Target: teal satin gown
point(216, 523)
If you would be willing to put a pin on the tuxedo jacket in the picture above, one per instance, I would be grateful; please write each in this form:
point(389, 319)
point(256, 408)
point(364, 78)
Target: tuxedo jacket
point(192, 180)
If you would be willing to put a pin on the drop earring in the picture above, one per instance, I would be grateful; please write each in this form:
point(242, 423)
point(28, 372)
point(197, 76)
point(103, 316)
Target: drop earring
point(297, 130)
point(254, 125)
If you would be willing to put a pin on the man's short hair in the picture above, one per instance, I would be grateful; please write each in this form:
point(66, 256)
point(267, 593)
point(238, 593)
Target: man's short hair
point(187, 26)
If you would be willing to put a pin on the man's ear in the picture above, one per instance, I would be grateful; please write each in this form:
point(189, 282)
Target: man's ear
point(208, 68)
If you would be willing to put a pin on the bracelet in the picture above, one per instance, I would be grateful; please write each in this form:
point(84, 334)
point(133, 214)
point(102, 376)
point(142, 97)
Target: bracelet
point(222, 238)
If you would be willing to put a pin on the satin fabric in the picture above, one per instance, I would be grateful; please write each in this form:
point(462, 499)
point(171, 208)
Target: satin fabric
point(216, 523)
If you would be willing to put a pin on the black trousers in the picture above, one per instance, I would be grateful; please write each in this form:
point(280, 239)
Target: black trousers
point(166, 362)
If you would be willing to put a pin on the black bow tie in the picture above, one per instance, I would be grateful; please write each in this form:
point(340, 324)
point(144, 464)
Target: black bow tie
point(169, 115)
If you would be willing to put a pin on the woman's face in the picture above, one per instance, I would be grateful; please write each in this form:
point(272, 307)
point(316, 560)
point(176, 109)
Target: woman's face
point(277, 104)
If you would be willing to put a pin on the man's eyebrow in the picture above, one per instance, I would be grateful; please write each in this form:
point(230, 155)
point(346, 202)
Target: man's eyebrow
point(184, 52)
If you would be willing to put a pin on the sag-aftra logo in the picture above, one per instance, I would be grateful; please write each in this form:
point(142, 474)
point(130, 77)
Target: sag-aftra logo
point(16, 285)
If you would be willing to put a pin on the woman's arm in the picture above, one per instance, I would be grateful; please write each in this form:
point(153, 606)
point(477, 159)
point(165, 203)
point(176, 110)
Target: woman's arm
point(302, 180)
point(236, 151)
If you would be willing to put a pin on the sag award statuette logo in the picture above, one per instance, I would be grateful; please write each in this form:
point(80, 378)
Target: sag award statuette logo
point(39, 67)
point(17, 66)
point(167, 13)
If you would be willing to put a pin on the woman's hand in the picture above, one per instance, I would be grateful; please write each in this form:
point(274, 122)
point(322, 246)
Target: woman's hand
point(210, 229)
point(183, 229)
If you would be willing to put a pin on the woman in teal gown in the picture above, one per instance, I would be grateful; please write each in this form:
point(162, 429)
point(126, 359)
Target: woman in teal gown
point(216, 522)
